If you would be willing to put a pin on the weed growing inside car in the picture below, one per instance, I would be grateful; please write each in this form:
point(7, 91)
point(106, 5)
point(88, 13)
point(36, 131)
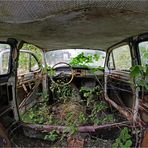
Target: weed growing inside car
point(140, 76)
point(124, 139)
point(91, 94)
point(52, 136)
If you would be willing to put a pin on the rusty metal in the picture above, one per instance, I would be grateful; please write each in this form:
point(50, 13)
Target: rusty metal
point(144, 142)
point(28, 96)
point(4, 140)
point(122, 110)
point(93, 128)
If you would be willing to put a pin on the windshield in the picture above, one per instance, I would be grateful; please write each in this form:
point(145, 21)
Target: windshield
point(66, 55)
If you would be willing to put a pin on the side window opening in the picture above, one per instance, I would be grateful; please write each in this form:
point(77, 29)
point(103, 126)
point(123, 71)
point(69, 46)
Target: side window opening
point(5, 62)
point(33, 64)
point(111, 63)
point(27, 63)
point(143, 49)
point(4, 58)
point(35, 50)
point(27, 60)
point(120, 58)
point(23, 63)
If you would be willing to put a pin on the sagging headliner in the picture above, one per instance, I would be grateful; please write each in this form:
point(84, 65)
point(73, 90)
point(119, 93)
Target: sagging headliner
point(56, 24)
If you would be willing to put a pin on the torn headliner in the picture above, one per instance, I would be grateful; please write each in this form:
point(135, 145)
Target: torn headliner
point(73, 23)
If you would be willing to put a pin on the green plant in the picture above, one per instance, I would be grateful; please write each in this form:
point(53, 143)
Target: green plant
point(139, 74)
point(82, 60)
point(71, 124)
point(96, 114)
point(90, 93)
point(124, 140)
point(52, 136)
point(44, 95)
point(61, 92)
point(82, 118)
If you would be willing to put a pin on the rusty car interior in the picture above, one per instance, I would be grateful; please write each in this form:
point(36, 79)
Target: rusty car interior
point(74, 73)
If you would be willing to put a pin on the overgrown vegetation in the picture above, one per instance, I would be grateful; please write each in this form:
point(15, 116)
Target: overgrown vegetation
point(84, 61)
point(140, 76)
point(124, 140)
point(34, 49)
point(69, 109)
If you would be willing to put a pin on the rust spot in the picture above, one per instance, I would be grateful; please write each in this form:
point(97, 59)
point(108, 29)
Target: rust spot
point(4, 141)
point(145, 139)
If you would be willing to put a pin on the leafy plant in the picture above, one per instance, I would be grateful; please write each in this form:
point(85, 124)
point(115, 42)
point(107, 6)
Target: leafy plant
point(98, 108)
point(124, 140)
point(71, 123)
point(52, 136)
point(62, 93)
point(82, 60)
point(44, 95)
point(90, 93)
point(82, 118)
point(140, 76)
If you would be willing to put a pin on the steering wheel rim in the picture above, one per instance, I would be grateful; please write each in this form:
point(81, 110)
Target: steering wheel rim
point(72, 73)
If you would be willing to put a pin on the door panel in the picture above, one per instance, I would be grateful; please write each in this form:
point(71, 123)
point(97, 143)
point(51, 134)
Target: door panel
point(118, 80)
point(29, 80)
point(143, 56)
point(8, 64)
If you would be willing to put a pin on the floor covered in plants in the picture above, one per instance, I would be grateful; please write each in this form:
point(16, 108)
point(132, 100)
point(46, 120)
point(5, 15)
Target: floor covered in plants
point(73, 109)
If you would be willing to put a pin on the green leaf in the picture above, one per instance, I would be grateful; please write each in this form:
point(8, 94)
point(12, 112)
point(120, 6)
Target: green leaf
point(146, 86)
point(128, 143)
point(115, 145)
point(135, 71)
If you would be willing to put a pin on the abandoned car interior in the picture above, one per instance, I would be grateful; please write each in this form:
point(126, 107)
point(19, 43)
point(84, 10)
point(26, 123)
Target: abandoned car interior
point(74, 73)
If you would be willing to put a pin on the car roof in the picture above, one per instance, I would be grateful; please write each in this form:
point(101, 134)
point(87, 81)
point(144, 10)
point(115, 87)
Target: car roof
point(56, 24)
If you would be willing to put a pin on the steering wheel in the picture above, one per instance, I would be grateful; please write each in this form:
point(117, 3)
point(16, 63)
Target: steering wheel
point(56, 73)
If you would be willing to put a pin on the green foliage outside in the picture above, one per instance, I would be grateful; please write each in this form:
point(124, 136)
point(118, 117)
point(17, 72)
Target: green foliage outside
point(124, 140)
point(122, 58)
point(34, 49)
point(27, 62)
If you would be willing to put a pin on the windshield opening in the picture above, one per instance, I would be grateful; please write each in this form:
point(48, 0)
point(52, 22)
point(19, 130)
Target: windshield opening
point(66, 55)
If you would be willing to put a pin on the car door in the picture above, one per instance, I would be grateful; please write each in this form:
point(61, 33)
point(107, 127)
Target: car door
point(29, 82)
point(8, 104)
point(118, 87)
point(142, 55)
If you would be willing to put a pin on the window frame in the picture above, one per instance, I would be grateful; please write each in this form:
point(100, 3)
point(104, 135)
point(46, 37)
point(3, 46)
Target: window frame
point(110, 51)
point(139, 53)
point(9, 60)
point(30, 53)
